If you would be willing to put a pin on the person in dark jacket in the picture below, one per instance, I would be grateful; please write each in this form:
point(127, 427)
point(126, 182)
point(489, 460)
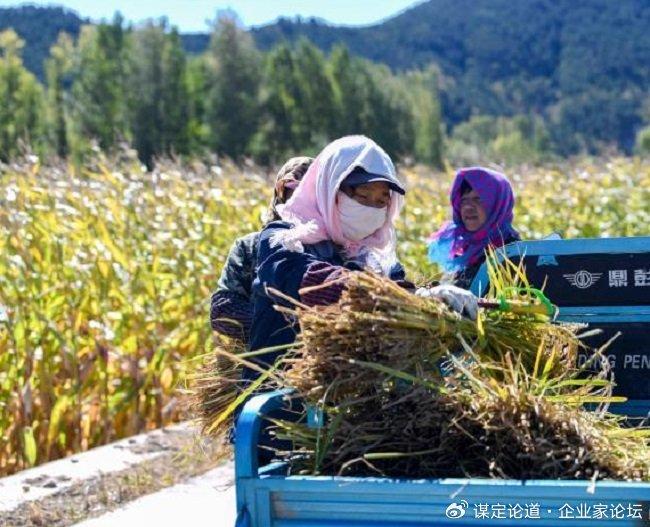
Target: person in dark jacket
point(341, 217)
point(482, 204)
point(231, 308)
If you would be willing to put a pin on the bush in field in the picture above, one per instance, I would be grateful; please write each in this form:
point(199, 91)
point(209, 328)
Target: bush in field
point(105, 278)
point(509, 140)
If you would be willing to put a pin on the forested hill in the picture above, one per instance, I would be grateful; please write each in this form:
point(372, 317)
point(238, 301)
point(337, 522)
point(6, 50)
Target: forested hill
point(499, 37)
point(576, 59)
point(541, 44)
point(582, 64)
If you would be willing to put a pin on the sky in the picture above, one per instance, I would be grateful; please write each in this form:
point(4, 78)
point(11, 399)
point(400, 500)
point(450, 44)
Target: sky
point(191, 15)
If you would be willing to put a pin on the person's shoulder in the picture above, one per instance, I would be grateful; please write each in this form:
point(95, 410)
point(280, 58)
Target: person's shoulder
point(277, 224)
point(247, 243)
point(248, 239)
point(270, 238)
point(273, 227)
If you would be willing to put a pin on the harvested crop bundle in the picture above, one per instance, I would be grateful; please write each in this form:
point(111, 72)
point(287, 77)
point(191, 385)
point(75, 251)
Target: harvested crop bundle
point(510, 406)
point(378, 322)
point(404, 387)
point(521, 428)
point(216, 384)
point(218, 389)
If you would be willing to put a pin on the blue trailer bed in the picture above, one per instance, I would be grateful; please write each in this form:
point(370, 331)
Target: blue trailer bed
point(267, 497)
point(602, 282)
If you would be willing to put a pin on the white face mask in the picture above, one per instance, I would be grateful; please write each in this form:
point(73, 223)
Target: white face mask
point(359, 221)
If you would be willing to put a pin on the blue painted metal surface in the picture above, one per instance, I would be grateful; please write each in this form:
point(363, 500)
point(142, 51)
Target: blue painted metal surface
point(268, 498)
point(249, 425)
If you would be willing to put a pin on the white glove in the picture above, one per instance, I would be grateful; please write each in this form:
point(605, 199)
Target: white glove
point(424, 292)
point(460, 300)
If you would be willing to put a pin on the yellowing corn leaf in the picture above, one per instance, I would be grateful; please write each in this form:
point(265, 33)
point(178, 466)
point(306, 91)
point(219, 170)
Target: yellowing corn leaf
point(58, 410)
point(117, 254)
point(104, 268)
point(166, 378)
point(30, 449)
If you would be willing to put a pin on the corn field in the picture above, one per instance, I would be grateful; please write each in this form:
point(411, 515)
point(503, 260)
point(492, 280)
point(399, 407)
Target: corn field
point(106, 274)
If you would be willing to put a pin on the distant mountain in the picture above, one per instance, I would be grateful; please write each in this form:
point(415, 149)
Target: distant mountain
point(574, 61)
point(195, 43)
point(503, 56)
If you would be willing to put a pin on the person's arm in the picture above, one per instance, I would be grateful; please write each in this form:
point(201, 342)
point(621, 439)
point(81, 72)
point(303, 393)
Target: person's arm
point(326, 282)
point(231, 309)
point(460, 300)
point(231, 314)
point(322, 284)
point(289, 271)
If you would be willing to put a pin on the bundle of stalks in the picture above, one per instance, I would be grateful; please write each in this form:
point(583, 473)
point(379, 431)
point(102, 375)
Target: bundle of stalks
point(217, 386)
point(509, 404)
point(512, 406)
point(378, 322)
point(526, 426)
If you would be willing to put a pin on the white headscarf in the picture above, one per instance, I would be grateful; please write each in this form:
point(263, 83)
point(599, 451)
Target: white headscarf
point(312, 208)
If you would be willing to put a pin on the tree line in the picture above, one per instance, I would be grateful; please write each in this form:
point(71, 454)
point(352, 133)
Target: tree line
point(580, 65)
point(117, 85)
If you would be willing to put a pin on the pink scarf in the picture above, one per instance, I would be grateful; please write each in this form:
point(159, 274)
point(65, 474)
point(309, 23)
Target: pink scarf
point(313, 210)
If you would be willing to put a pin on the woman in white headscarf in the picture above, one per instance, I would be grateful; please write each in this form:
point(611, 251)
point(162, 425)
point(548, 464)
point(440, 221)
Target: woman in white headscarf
point(341, 216)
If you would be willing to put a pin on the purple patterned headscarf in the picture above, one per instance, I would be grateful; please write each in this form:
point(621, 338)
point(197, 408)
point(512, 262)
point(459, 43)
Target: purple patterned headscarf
point(453, 246)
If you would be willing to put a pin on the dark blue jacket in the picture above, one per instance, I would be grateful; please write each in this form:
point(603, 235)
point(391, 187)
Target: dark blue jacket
point(282, 269)
point(231, 307)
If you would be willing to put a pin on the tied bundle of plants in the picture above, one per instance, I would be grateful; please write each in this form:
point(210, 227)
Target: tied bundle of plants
point(402, 386)
point(380, 325)
point(217, 387)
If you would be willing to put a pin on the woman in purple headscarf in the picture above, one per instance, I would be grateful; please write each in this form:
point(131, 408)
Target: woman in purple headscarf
point(482, 201)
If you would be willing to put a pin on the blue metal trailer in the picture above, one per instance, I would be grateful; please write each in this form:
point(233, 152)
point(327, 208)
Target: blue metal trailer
point(267, 497)
point(605, 283)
